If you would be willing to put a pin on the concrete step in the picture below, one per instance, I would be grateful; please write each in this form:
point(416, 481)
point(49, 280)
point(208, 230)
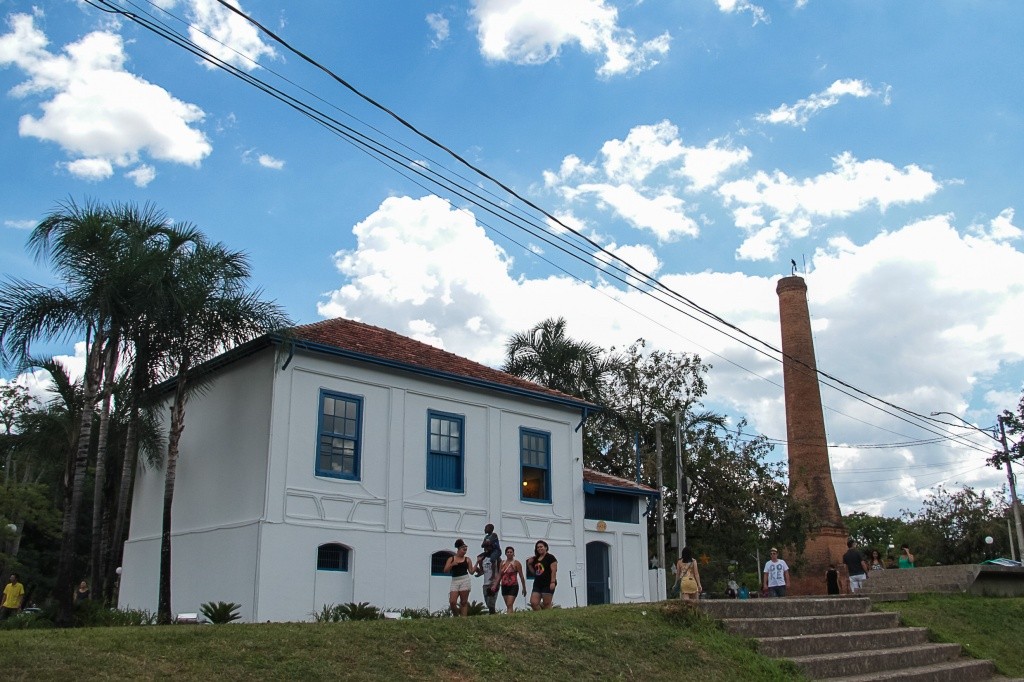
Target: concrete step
point(785, 607)
point(810, 625)
point(907, 586)
point(878, 596)
point(960, 670)
point(823, 666)
point(841, 642)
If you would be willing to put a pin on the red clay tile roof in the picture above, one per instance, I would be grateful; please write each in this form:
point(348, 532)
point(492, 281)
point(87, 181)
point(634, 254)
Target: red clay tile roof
point(598, 478)
point(383, 344)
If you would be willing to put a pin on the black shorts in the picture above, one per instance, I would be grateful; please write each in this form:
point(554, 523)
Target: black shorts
point(510, 590)
point(543, 589)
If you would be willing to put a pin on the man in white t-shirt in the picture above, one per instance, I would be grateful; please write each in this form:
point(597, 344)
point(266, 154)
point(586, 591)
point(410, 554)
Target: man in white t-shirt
point(776, 575)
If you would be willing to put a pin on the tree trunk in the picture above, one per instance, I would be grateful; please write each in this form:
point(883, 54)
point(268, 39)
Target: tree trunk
point(65, 583)
point(163, 611)
point(100, 475)
point(131, 455)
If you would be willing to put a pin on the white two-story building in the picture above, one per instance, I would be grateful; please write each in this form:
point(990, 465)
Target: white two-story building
point(340, 462)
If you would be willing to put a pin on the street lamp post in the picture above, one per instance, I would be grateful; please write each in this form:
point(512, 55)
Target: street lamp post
point(1014, 502)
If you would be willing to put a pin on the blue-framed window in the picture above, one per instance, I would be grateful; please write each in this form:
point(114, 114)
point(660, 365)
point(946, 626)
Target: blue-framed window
point(339, 433)
point(438, 560)
point(535, 465)
point(607, 506)
point(332, 557)
point(445, 452)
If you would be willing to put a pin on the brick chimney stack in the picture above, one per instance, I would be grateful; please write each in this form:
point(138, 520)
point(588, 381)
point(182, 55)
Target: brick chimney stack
point(810, 476)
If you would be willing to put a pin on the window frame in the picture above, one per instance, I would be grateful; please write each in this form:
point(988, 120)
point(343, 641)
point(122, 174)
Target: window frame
point(548, 487)
point(344, 554)
point(447, 554)
point(461, 457)
point(358, 438)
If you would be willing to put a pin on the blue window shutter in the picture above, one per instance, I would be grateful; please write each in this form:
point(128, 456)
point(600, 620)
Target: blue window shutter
point(445, 452)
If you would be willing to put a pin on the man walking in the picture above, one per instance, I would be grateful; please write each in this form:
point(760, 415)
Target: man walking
point(776, 575)
point(14, 595)
point(856, 566)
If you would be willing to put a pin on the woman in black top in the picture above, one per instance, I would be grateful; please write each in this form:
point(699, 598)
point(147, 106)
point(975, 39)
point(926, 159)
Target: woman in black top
point(459, 566)
point(545, 576)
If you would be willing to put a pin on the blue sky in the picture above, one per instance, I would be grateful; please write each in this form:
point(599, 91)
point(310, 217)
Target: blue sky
point(705, 142)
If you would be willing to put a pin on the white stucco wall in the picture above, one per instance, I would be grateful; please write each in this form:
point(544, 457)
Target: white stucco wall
point(218, 499)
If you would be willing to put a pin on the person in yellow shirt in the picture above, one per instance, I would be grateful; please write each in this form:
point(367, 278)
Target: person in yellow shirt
point(14, 595)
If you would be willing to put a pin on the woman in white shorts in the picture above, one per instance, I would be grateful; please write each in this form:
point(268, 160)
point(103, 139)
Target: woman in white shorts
point(460, 567)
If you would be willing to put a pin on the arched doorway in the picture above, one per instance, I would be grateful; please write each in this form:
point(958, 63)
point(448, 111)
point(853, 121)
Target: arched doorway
point(599, 575)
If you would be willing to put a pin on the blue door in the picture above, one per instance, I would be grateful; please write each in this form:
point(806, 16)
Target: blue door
point(598, 574)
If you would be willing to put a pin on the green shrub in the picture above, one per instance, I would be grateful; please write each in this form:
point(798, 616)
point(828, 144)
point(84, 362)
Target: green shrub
point(220, 612)
point(26, 621)
point(328, 614)
point(360, 611)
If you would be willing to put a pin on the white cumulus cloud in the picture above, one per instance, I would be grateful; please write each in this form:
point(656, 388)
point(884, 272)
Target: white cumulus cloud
point(226, 35)
point(268, 161)
point(799, 113)
point(735, 6)
point(643, 178)
point(142, 175)
point(851, 186)
point(439, 25)
point(535, 31)
point(101, 115)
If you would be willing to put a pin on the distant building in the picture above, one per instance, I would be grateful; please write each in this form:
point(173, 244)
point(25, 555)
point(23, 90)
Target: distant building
point(341, 462)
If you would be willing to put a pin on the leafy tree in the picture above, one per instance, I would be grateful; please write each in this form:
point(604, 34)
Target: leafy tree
point(645, 388)
point(951, 527)
point(101, 262)
point(34, 444)
point(740, 501)
point(877, 532)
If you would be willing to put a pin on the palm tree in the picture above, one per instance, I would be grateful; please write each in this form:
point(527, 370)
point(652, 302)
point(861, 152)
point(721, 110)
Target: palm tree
point(545, 354)
point(144, 338)
point(81, 244)
point(108, 262)
point(207, 309)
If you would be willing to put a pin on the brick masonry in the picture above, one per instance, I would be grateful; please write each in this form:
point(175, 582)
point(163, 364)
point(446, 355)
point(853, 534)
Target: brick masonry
point(810, 476)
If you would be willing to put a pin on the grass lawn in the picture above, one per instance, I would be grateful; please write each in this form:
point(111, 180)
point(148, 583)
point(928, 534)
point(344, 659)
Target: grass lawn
point(664, 641)
point(988, 627)
point(630, 642)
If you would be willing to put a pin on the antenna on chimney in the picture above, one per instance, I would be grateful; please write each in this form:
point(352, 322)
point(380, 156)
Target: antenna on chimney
point(793, 272)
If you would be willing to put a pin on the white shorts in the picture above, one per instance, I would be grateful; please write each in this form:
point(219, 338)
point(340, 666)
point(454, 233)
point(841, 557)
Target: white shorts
point(461, 584)
point(857, 581)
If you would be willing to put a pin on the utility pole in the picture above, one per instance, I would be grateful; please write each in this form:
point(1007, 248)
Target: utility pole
point(680, 488)
point(661, 498)
point(1015, 503)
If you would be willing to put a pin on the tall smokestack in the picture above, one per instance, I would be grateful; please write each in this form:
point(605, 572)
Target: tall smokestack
point(810, 477)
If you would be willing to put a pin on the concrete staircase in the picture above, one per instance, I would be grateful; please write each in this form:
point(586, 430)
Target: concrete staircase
point(842, 640)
